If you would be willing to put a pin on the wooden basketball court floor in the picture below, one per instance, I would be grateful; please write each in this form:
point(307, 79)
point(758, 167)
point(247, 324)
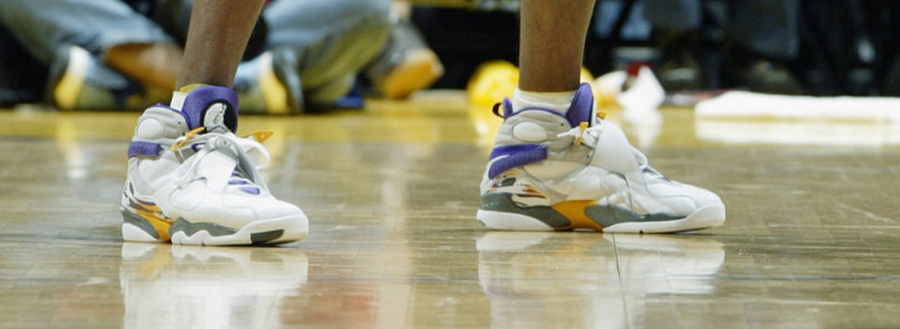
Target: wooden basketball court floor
point(811, 239)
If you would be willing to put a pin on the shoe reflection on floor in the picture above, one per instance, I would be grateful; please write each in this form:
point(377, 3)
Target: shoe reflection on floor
point(591, 280)
point(172, 286)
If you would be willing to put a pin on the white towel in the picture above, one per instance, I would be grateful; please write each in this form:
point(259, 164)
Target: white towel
point(741, 104)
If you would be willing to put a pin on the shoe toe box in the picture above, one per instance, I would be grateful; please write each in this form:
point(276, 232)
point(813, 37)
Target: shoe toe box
point(683, 198)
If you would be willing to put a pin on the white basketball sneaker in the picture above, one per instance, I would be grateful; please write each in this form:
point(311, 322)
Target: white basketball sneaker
point(192, 181)
point(552, 171)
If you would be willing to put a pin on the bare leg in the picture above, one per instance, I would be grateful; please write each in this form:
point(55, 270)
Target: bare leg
point(553, 33)
point(552, 43)
point(217, 37)
point(216, 40)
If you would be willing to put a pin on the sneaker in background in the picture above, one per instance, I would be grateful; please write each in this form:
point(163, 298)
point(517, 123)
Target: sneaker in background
point(749, 70)
point(269, 84)
point(406, 64)
point(78, 81)
point(679, 68)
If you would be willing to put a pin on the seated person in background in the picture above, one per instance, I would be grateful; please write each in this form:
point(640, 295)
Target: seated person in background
point(115, 54)
point(406, 63)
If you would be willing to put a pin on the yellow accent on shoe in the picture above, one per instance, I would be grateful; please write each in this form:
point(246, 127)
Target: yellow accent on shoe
point(260, 135)
point(152, 214)
point(583, 126)
point(574, 211)
point(68, 90)
point(187, 137)
point(161, 225)
point(275, 96)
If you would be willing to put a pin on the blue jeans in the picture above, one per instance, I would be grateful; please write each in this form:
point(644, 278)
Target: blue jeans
point(332, 40)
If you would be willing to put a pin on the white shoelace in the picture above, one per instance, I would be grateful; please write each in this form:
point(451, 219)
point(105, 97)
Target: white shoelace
point(584, 135)
point(230, 144)
point(590, 136)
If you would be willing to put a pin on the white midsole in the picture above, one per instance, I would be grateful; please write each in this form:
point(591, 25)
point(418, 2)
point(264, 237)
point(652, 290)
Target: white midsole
point(507, 221)
point(294, 228)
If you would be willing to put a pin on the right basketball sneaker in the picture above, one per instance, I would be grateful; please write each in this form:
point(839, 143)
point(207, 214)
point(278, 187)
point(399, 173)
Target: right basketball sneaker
point(554, 171)
point(191, 180)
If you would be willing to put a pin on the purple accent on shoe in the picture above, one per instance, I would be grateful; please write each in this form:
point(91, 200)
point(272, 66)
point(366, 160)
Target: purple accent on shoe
point(516, 156)
point(167, 107)
point(251, 190)
point(143, 149)
point(507, 108)
point(510, 149)
point(582, 107)
point(237, 182)
point(581, 110)
point(198, 101)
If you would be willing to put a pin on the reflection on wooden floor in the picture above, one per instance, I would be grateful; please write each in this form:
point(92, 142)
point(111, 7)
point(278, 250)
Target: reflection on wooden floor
point(811, 239)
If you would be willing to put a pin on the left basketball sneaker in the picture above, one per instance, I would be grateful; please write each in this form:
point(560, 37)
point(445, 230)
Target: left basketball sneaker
point(192, 181)
point(555, 171)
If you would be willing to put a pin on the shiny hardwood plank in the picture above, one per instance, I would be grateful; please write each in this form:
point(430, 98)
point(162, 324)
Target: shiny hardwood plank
point(811, 240)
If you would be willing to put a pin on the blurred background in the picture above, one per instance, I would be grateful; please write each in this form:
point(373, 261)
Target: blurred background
point(696, 48)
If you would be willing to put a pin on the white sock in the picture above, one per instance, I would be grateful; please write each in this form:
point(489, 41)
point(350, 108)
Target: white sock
point(178, 100)
point(557, 101)
point(180, 95)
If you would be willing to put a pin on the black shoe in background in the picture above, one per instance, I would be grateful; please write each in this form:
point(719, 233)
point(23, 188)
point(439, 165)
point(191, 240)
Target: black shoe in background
point(746, 70)
point(679, 68)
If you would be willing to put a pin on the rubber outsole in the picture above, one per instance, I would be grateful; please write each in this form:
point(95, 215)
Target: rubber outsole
point(706, 217)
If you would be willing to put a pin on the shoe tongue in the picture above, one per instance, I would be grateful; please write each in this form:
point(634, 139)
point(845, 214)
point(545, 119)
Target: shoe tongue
point(245, 174)
point(582, 108)
point(213, 107)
